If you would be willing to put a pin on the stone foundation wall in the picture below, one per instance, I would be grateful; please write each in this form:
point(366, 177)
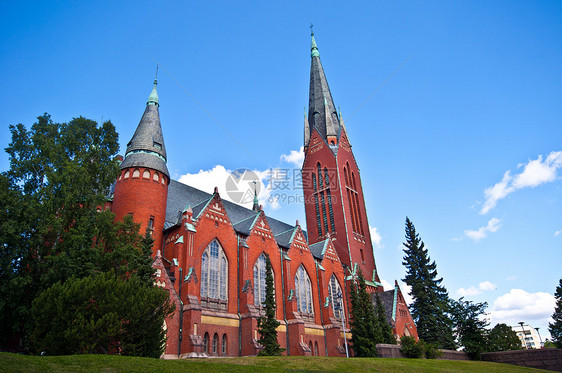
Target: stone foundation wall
point(545, 358)
point(387, 350)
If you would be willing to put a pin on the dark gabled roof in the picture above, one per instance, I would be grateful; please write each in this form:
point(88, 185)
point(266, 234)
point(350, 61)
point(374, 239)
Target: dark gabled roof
point(146, 148)
point(387, 300)
point(245, 226)
point(322, 112)
point(284, 239)
point(318, 249)
point(181, 195)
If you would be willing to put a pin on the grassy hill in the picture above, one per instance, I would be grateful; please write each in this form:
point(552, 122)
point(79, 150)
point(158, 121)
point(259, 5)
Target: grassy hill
point(105, 363)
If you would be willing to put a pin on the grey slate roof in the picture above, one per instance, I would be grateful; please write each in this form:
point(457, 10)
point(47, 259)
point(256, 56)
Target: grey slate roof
point(322, 112)
point(387, 300)
point(181, 195)
point(146, 148)
point(318, 249)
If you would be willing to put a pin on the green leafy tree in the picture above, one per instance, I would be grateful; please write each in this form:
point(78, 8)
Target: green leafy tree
point(430, 308)
point(555, 327)
point(102, 313)
point(386, 329)
point(365, 329)
point(267, 325)
point(503, 338)
point(53, 227)
point(470, 326)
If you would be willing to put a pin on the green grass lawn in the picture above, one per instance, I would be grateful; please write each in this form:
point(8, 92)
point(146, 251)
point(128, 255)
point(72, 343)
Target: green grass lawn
point(106, 363)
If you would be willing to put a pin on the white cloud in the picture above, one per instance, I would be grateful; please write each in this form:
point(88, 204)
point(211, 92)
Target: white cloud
point(557, 233)
point(473, 290)
point(295, 157)
point(519, 305)
point(511, 278)
point(376, 237)
point(386, 285)
point(207, 180)
point(535, 173)
point(492, 226)
point(486, 286)
point(469, 292)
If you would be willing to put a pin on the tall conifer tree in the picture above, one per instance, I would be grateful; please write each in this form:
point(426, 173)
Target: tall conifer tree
point(386, 329)
point(430, 307)
point(365, 329)
point(267, 325)
point(555, 327)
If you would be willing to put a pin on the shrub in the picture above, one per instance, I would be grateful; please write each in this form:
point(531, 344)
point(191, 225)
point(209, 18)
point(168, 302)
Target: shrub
point(431, 351)
point(411, 348)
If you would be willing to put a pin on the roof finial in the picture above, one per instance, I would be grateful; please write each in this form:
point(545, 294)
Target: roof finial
point(153, 98)
point(313, 49)
point(256, 206)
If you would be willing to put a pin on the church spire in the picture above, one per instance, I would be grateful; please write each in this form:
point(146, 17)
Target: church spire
point(256, 206)
point(146, 148)
point(153, 98)
point(322, 113)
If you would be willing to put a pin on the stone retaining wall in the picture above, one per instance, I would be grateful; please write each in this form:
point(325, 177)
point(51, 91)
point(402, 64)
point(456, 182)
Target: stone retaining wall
point(545, 358)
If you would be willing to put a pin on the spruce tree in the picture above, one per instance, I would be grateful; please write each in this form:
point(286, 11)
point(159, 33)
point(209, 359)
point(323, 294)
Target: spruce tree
point(430, 307)
point(267, 325)
point(365, 330)
point(386, 329)
point(555, 327)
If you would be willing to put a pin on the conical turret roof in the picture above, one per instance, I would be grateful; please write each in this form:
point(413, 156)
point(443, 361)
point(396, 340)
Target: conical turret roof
point(146, 148)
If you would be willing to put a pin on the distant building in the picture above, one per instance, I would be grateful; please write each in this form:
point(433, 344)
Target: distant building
point(528, 336)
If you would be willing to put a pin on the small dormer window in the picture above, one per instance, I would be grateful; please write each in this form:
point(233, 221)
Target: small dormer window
point(157, 145)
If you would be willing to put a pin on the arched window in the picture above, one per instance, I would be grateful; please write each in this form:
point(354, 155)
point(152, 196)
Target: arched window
point(146, 174)
point(214, 272)
point(318, 221)
point(303, 290)
point(224, 344)
point(206, 343)
point(259, 280)
point(335, 289)
point(310, 346)
point(136, 173)
point(314, 181)
point(215, 343)
point(155, 176)
point(329, 198)
point(126, 174)
point(320, 185)
point(315, 348)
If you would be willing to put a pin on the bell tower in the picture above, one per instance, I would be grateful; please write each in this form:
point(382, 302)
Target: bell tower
point(141, 189)
point(334, 203)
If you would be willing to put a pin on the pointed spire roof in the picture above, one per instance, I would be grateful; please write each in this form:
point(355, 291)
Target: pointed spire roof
point(146, 148)
point(322, 113)
point(256, 206)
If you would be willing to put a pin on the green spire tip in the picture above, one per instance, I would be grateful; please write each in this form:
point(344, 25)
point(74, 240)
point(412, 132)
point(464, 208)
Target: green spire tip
point(314, 48)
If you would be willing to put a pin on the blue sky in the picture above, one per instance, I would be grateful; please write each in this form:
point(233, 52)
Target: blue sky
point(465, 137)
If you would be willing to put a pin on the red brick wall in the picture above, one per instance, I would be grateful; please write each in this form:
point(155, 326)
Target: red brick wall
point(144, 198)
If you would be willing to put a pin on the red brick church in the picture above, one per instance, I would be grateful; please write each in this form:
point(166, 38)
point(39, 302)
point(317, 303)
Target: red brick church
point(209, 252)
